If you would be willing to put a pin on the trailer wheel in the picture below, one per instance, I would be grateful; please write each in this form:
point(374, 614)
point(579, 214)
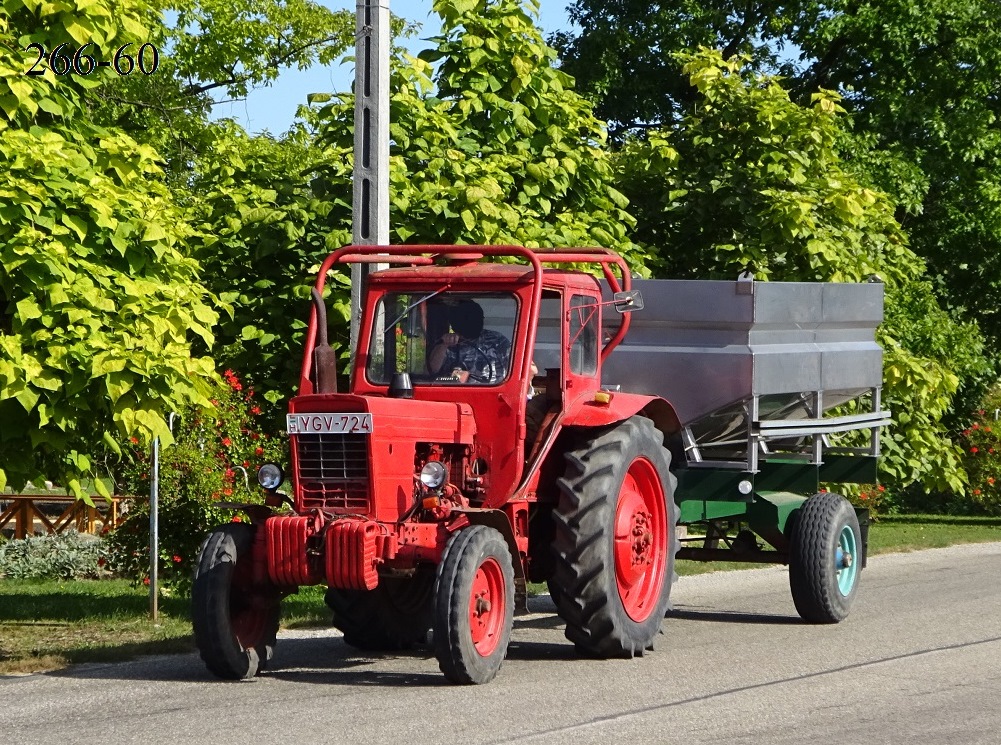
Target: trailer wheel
point(474, 605)
point(394, 616)
point(615, 544)
point(824, 558)
point(235, 625)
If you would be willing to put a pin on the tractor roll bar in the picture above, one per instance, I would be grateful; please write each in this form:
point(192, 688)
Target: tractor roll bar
point(427, 255)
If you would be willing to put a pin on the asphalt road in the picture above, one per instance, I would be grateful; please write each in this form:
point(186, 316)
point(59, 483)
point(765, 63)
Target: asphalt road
point(919, 660)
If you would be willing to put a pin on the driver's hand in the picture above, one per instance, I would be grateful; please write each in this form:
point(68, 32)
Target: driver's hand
point(450, 340)
point(461, 375)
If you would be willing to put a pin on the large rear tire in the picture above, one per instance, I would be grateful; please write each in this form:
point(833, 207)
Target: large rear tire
point(235, 624)
point(394, 616)
point(615, 545)
point(825, 558)
point(474, 605)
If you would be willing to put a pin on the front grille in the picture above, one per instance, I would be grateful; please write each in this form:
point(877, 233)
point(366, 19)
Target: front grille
point(333, 472)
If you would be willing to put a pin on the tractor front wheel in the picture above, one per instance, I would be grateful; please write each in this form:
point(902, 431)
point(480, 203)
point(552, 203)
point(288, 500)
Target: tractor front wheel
point(615, 543)
point(825, 558)
point(474, 605)
point(235, 624)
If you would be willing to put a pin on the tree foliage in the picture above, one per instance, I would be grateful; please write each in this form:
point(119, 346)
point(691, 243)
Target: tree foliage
point(491, 144)
point(751, 179)
point(261, 235)
point(98, 302)
point(212, 50)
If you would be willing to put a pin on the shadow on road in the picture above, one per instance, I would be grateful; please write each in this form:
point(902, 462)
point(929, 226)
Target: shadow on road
point(692, 614)
point(327, 660)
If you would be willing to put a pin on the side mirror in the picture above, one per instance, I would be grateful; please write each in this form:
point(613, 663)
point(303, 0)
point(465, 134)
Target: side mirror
point(626, 302)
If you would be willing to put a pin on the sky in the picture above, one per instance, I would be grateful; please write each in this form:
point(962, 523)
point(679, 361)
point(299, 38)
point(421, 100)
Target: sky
point(274, 108)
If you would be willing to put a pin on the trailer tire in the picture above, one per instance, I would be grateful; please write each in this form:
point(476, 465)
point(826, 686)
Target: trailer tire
point(615, 545)
point(474, 605)
point(824, 531)
point(393, 617)
point(235, 625)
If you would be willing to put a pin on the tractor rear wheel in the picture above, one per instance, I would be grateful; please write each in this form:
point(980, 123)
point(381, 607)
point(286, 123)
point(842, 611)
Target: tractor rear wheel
point(615, 546)
point(825, 553)
point(474, 605)
point(394, 616)
point(235, 624)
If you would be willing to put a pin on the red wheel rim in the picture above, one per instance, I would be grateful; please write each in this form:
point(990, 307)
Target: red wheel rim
point(641, 540)
point(487, 609)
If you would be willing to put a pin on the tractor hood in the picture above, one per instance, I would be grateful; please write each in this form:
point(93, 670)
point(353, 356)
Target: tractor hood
point(355, 454)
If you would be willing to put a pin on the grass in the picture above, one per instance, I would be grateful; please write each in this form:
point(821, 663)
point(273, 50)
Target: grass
point(46, 625)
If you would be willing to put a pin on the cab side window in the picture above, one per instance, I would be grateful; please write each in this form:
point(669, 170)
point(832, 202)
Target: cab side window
point(583, 335)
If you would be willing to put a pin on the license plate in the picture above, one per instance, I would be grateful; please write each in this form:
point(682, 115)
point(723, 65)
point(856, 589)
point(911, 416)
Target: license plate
point(329, 424)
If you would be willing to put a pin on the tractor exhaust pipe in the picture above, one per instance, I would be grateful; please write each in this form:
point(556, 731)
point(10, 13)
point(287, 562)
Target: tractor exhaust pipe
point(324, 359)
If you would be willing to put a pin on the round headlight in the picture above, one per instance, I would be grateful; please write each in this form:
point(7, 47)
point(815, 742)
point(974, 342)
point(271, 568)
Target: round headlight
point(270, 476)
point(433, 475)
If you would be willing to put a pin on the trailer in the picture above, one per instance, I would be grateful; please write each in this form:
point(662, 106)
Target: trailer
point(512, 419)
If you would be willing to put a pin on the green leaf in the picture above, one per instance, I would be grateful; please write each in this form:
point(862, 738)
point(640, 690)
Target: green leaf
point(111, 443)
point(153, 232)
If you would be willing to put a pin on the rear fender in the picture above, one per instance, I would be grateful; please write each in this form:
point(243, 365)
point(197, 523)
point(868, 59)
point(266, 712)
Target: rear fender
point(610, 407)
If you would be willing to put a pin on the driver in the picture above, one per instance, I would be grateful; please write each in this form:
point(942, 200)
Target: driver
point(471, 352)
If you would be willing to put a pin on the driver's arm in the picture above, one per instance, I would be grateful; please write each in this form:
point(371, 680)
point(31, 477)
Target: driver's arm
point(439, 353)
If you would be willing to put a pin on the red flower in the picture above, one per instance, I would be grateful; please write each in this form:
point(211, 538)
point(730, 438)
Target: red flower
point(974, 450)
point(146, 581)
point(236, 519)
point(975, 426)
point(101, 561)
point(976, 491)
point(134, 440)
point(880, 488)
point(246, 464)
point(228, 492)
point(226, 442)
point(863, 496)
point(259, 452)
point(990, 480)
point(177, 559)
point(255, 410)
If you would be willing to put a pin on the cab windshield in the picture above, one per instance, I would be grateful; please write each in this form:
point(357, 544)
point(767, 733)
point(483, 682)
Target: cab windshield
point(443, 338)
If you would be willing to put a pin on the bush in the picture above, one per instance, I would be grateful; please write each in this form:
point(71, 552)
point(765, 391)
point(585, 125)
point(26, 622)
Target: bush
point(61, 556)
point(873, 497)
point(981, 443)
point(214, 459)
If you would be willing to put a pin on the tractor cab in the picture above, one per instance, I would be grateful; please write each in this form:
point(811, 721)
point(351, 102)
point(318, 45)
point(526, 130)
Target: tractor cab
point(488, 338)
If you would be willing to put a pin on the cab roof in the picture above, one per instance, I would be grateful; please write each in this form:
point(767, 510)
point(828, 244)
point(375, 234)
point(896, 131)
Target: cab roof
point(481, 273)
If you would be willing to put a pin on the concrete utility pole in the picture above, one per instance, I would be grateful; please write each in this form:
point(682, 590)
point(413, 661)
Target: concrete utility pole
point(370, 204)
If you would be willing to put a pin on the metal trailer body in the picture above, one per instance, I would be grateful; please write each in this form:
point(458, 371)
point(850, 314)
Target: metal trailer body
point(754, 370)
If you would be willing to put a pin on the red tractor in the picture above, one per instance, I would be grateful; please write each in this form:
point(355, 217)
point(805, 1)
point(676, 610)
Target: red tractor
point(427, 496)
